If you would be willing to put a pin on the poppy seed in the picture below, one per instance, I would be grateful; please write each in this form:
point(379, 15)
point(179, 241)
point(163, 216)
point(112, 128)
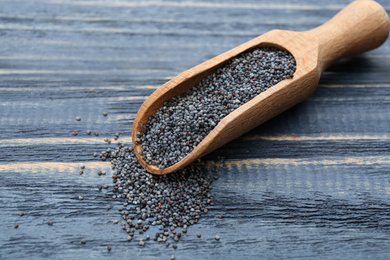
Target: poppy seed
point(182, 123)
point(167, 202)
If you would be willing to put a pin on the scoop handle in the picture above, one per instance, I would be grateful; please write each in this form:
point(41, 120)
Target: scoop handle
point(361, 26)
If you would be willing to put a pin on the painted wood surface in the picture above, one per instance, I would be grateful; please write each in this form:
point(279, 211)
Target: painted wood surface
point(313, 182)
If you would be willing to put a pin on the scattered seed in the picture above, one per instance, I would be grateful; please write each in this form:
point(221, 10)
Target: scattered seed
point(78, 118)
point(50, 223)
point(83, 241)
point(198, 235)
point(217, 237)
point(21, 213)
point(82, 167)
point(172, 257)
point(141, 243)
point(96, 133)
point(174, 246)
point(81, 197)
point(105, 114)
point(158, 199)
point(95, 154)
point(75, 133)
point(108, 207)
point(89, 132)
point(115, 221)
point(108, 248)
point(81, 172)
point(16, 226)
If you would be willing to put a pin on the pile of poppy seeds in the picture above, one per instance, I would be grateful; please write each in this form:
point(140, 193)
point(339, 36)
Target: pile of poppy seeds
point(167, 201)
point(182, 123)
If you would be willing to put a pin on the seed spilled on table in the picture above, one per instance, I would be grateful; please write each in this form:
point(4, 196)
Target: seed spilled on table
point(172, 203)
point(169, 202)
point(177, 200)
point(182, 123)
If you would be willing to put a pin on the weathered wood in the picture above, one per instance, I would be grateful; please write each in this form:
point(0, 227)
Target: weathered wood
point(312, 182)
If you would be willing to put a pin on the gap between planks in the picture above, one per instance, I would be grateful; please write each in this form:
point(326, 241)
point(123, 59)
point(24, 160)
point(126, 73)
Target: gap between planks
point(124, 87)
point(127, 140)
point(86, 89)
point(316, 138)
point(78, 72)
point(193, 4)
point(58, 141)
point(52, 166)
point(60, 166)
point(358, 160)
point(127, 31)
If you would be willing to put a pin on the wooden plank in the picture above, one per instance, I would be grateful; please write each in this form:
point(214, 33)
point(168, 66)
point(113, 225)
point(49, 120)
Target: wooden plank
point(311, 183)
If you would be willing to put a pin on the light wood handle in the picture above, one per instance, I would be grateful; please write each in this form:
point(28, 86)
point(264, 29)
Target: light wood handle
point(361, 26)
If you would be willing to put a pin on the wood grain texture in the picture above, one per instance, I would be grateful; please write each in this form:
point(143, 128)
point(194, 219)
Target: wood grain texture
point(312, 182)
point(361, 26)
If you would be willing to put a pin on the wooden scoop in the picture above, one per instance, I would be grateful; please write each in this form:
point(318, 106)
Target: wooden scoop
point(361, 26)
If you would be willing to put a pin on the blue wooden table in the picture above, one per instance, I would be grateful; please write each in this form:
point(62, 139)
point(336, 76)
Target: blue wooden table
point(311, 183)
